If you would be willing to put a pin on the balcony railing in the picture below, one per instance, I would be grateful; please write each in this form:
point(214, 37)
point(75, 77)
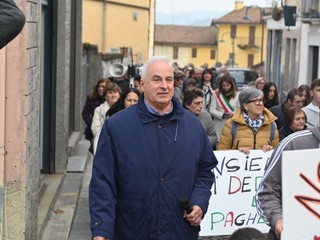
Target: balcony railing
point(310, 9)
point(245, 44)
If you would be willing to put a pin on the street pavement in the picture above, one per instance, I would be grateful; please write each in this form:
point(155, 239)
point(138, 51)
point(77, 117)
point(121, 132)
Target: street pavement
point(70, 218)
point(80, 229)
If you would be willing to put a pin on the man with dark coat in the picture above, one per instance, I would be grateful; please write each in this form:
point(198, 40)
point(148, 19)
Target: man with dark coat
point(148, 158)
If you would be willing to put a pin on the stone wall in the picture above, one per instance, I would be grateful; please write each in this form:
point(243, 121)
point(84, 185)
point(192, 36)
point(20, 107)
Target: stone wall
point(22, 129)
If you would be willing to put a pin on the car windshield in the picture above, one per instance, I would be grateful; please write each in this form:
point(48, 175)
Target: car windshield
point(243, 76)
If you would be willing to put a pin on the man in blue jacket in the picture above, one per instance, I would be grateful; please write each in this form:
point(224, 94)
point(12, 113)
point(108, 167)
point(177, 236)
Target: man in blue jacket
point(149, 156)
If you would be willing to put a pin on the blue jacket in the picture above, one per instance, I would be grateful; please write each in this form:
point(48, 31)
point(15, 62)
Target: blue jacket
point(144, 164)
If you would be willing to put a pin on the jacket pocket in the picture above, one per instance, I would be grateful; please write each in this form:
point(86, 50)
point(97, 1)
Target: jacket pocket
point(131, 206)
point(132, 219)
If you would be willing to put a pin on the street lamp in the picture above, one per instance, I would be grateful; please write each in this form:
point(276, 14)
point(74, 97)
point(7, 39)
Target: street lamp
point(248, 18)
point(233, 42)
point(222, 40)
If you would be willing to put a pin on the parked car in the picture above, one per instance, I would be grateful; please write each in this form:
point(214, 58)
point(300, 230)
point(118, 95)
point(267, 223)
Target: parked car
point(242, 76)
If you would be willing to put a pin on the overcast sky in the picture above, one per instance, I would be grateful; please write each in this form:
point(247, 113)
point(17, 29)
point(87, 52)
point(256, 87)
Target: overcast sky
point(176, 6)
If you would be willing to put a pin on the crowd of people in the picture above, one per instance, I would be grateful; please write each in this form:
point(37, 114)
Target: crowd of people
point(161, 136)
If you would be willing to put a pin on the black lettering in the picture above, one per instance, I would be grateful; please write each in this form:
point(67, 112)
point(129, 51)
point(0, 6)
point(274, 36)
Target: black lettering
point(253, 166)
point(244, 183)
point(230, 167)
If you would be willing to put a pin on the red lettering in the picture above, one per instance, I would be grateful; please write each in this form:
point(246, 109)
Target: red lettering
point(230, 191)
point(229, 219)
point(307, 201)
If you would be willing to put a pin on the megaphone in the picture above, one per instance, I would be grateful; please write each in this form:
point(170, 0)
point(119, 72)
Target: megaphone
point(117, 70)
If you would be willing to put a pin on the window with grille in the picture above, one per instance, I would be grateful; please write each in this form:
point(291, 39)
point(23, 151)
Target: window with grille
point(252, 32)
point(194, 53)
point(175, 54)
point(233, 31)
point(250, 60)
point(213, 54)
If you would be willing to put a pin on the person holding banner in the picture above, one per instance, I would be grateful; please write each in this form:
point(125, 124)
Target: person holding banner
point(269, 193)
point(252, 126)
point(224, 102)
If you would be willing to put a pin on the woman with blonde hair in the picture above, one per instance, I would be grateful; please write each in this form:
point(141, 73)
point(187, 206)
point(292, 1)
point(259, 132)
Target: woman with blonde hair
point(259, 83)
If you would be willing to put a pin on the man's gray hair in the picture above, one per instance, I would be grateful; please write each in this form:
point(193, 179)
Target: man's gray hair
point(145, 66)
point(247, 94)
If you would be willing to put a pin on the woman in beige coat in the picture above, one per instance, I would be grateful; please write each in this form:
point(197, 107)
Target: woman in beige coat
point(252, 126)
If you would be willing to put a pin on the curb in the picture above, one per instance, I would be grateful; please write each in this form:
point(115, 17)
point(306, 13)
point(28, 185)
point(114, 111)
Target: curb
point(62, 215)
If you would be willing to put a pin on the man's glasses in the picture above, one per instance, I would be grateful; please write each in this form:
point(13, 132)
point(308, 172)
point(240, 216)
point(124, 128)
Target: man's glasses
point(256, 101)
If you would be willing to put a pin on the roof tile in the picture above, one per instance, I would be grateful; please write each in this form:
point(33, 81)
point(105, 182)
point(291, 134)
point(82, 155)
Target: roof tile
point(236, 16)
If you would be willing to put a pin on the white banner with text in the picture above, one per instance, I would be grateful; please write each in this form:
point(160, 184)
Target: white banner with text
point(232, 203)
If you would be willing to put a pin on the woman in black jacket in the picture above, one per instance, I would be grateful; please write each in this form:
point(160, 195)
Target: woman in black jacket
point(295, 121)
point(270, 95)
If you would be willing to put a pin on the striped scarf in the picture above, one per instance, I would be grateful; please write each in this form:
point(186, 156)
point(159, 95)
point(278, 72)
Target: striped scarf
point(224, 102)
point(254, 124)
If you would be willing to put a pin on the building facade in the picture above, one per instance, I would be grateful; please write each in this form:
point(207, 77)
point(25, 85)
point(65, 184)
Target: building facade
point(242, 37)
point(293, 44)
point(187, 44)
point(309, 63)
point(120, 26)
point(42, 95)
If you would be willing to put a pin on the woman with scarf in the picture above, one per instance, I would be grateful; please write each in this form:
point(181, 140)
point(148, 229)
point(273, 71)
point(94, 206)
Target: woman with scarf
point(252, 125)
point(206, 86)
point(224, 102)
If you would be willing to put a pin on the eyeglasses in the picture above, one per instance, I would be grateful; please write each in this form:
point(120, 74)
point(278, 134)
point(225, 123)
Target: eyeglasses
point(256, 101)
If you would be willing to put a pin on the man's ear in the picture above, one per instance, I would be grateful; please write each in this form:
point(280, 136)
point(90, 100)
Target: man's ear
point(142, 84)
point(311, 93)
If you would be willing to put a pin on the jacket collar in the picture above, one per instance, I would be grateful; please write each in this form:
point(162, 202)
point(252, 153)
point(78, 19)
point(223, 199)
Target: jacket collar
point(146, 116)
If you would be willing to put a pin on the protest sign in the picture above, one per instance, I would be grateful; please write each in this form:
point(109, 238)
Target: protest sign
point(232, 203)
point(301, 194)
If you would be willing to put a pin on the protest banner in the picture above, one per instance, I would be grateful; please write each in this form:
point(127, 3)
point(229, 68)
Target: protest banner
point(301, 194)
point(232, 203)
